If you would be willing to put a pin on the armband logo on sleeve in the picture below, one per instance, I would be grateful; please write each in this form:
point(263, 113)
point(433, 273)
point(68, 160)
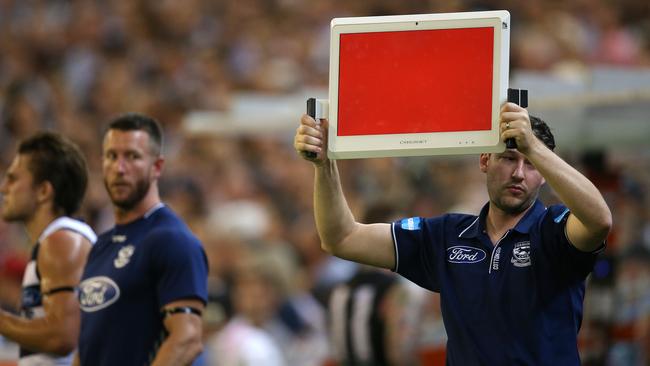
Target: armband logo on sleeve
point(559, 218)
point(412, 223)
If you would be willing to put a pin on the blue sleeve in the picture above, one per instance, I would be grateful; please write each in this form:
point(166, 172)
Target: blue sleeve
point(569, 261)
point(180, 267)
point(417, 242)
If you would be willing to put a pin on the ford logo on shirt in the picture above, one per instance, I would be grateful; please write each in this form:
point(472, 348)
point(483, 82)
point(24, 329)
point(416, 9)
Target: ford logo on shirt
point(96, 293)
point(464, 254)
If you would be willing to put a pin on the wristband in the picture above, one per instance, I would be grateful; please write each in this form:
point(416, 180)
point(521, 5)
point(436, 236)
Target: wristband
point(59, 289)
point(181, 310)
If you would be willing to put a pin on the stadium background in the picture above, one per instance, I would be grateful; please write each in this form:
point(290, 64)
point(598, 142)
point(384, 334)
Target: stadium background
point(233, 175)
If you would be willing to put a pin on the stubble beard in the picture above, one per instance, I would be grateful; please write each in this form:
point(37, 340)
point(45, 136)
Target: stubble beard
point(515, 208)
point(13, 215)
point(133, 198)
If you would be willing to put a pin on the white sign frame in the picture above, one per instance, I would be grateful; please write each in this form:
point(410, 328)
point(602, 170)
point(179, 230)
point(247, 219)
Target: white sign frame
point(418, 144)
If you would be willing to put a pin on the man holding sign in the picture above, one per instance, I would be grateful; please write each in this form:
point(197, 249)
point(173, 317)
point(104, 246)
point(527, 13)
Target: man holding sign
point(511, 280)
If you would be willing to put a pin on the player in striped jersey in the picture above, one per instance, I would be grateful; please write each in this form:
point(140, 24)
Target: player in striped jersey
point(44, 185)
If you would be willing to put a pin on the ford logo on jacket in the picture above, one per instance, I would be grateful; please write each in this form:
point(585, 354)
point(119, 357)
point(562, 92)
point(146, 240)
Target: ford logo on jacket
point(464, 254)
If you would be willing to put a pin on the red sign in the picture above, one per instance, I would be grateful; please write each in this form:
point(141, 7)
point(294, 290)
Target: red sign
point(415, 81)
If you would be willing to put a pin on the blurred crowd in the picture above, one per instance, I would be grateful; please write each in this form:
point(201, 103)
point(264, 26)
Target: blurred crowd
point(72, 65)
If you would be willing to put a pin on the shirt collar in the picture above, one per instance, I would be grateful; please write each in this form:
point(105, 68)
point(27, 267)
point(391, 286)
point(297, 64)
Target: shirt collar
point(523, 226)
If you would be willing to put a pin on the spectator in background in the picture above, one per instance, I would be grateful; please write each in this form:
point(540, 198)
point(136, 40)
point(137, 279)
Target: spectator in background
point(256, 297)
point(630, 333)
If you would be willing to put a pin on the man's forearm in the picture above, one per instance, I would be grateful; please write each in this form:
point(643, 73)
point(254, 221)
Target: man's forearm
point(178, 352)
point(334, 220)
point(577, 192)
point(41, 334)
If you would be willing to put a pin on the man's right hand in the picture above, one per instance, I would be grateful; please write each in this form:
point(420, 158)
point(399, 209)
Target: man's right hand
point(312, 136)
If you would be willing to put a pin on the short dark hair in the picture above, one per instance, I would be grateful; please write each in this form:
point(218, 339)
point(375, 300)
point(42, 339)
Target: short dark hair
point(140, 122)
point(542, 131)
point(55, 159)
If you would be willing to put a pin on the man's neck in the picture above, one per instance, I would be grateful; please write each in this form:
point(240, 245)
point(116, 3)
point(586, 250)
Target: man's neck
point(38, 222)
point(498, 222)
point(123, 216)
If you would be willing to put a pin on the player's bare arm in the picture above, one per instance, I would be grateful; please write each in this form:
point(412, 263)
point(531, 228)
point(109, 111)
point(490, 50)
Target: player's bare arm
point(339, 232)
point(590, 219)
point(184, 342)
point(62, 256)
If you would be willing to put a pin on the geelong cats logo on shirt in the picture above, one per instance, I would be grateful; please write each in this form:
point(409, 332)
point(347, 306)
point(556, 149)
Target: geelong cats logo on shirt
point(124, 256)
point(98, 292)
point(521, 254)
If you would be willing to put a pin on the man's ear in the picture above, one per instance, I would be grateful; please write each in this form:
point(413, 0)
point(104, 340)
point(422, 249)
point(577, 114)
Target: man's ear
point(158, 166)
point(483, 161)
point(44, 191)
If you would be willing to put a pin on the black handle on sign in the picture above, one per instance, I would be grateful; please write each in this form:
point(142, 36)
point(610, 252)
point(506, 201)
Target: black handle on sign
point(311, 111)
point(520, 97)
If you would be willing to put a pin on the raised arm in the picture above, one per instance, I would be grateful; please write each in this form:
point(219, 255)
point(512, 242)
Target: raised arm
point(590, 219)
point(339, 232)
point(61, 259)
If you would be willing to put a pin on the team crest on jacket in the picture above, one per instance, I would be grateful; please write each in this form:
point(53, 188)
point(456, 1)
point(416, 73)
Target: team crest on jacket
point(96, 293)
point(124, 256)
point(521, 254)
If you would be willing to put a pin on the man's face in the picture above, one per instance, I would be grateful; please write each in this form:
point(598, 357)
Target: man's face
point(19, 193)
point(129, 167)
point(513, 182)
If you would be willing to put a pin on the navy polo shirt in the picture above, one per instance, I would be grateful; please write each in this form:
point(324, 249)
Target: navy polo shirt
point(518, 302)
point(132, 272)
